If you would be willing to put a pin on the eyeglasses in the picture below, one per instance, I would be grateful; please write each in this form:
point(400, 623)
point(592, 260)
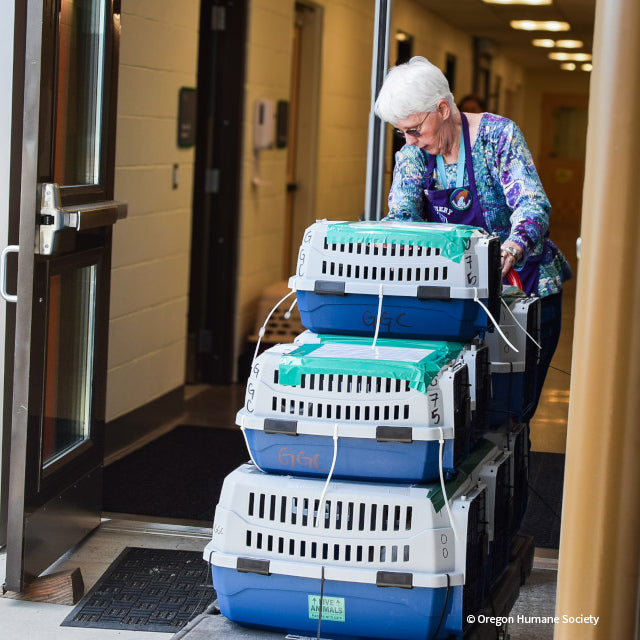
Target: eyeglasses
point(415, 132)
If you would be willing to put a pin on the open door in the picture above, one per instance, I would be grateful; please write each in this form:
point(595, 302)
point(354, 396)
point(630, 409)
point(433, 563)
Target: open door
point(66, 63)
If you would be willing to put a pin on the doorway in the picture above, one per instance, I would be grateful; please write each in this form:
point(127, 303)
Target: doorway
point(216, 191)
point(304, 117)
point(561, 168)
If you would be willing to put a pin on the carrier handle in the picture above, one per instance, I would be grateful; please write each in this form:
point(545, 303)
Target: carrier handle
point(513, 277)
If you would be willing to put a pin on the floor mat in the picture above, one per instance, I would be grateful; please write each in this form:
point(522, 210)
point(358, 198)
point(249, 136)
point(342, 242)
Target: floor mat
point(544, 507)
point(179, 475)
point(147, 590)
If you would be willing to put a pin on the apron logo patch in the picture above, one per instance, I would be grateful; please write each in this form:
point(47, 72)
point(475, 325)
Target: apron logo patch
point(461, 199)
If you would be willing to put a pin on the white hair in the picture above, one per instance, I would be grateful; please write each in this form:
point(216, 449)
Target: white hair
point(413, 87)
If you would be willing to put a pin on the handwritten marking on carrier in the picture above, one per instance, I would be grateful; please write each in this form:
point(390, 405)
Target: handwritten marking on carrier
point(301, 459)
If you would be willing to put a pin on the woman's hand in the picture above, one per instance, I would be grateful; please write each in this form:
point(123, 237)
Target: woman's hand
point(511, 254)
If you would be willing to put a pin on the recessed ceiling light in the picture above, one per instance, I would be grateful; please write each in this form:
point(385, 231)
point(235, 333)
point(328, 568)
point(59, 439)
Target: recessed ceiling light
point(570, 57)
point(540, 25)
point(529, 2)
point(568, 66)
point(587, 66)
point(569, 44)
point(547, 43)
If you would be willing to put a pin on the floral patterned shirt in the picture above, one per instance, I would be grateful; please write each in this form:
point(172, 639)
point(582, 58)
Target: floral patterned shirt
point(512, 199)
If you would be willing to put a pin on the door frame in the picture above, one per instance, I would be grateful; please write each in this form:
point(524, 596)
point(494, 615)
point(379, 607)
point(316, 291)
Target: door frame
point(9, 175)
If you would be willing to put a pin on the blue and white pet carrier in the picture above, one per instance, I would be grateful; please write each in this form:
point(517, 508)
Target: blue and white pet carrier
point(513, 373)
point(407, 280)
point(365, 561)
point(493, 467)
point(396, 413)
point(514, 438)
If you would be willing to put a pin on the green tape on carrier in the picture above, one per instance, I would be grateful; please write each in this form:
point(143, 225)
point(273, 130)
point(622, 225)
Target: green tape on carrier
point(419, 366)
point(451, 239)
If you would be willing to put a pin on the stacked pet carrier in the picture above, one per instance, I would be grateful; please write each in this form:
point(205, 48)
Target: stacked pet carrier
point(377, 504)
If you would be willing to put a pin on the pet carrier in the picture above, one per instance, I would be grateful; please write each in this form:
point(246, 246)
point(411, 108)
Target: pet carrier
point(372, 561)
point(409, 279)
point(368, 414)
point(493, 466)
point(474, 354)
point(513, 374)
point(514, 437)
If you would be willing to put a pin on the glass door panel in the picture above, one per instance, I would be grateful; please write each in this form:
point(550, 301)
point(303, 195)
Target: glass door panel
point(69, 362)
point(79, 93)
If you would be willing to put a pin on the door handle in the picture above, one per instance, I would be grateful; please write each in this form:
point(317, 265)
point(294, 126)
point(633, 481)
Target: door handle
point(54, 219)
point(12, 248)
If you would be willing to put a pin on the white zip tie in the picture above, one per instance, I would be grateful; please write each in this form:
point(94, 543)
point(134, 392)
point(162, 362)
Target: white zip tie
point(287, 314)
point(375, 335)
point(444, 492)
point(495, 324)
point(333, 465)
point(518, 323)
point(264, 326)
point(246, 441)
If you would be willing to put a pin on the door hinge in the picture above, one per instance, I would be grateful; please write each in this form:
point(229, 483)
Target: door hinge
point(218, 18)
point(212, 181)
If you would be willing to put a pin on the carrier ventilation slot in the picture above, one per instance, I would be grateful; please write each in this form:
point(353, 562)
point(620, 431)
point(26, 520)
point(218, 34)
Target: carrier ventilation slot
point(386, 249)
point(339, 515)
point(291, 406)
point(300, 548)
point(384, 274)
point(347, 383)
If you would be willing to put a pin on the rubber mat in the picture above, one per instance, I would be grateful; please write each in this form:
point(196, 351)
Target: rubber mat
point(147, 590)
point(179, 475)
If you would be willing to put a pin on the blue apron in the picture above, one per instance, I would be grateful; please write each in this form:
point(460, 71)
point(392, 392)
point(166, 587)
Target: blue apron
point(461, 205)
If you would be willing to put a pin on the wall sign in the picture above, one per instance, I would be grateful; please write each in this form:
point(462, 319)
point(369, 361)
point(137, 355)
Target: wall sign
point(187, 114)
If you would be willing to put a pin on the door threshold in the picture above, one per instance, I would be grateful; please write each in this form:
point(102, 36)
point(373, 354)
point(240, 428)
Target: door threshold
point(131, 523)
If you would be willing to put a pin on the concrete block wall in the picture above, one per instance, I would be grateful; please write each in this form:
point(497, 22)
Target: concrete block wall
point(345, 81)
point(268, 70)
point(151, 248)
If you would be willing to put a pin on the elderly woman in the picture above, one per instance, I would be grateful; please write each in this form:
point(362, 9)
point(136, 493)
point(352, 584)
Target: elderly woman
point(475, 169)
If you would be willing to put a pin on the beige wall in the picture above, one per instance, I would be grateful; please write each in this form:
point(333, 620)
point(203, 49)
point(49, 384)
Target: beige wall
point(536, 84)
point(262, 220)
point(345, 81)
point(149, 284)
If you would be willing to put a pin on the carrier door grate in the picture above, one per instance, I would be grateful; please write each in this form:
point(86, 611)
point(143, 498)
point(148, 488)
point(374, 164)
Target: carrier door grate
point(475, 563)
point(461, 413)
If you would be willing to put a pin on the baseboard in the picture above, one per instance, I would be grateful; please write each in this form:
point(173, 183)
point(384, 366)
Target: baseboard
point(142, 425)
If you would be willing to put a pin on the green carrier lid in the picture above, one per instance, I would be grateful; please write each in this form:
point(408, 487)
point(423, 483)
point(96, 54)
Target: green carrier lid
point(396, 359)
point(451, 239)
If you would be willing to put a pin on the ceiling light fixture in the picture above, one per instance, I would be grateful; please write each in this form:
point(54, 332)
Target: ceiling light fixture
point(540, 25)
point(587, 66)
point(569, 44)
point(527, 2)
point(564, 56)
point(568, 66)
point(547, 43)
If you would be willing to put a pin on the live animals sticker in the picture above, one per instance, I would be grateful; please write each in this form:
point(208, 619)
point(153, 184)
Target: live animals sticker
point(332, 608)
